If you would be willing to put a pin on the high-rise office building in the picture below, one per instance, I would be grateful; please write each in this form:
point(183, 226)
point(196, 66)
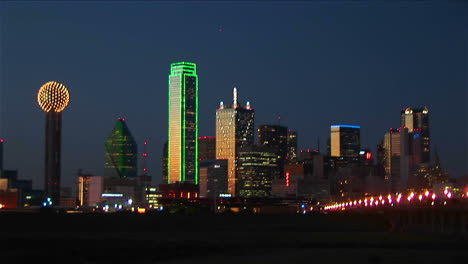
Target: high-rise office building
point(417, 122)
point(257, 167)
point(345, 141)
point(121, 152)
point(292, 145)
point(206, 148)
point(183, 123)
point(213, 177)
point(276, 137)
point(53, 98)
point(234, 129)
point(397, 159)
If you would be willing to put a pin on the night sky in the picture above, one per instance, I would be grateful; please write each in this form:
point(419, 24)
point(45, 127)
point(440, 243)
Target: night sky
point(314, 63)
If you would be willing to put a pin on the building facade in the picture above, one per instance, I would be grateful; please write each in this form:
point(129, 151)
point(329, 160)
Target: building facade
point(257, 167)
point(213, 177)
point(345, 140)
point(121, 152)
point(206, 148)
point(183, 123)
point(276, 137)
point(234, 129)
point(90, 189)
point(417, 122)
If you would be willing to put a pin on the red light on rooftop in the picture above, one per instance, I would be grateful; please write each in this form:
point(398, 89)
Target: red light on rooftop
point(2, 140)
point(206, 137)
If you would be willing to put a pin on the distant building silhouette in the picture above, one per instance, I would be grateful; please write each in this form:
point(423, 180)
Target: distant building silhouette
point(165, 163)
point(292, 146)
point(206, 148)
point(1, 157)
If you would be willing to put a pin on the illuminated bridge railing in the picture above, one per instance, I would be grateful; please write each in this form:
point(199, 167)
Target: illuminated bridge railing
point(426, 198)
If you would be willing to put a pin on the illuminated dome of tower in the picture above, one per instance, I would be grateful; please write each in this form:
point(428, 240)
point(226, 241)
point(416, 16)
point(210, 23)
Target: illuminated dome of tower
point(53, 96)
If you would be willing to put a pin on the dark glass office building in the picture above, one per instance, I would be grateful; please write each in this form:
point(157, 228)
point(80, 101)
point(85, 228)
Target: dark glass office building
point(206, 148)
point(257, 166)
point(276, 137)
point(345, 141)
point(121, 153)
point(213, 177)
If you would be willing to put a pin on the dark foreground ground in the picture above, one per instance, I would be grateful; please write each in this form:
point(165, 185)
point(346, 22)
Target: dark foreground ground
point(240, 239)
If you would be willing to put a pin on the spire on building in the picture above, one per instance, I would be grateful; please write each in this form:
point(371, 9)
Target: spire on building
point(234, 104)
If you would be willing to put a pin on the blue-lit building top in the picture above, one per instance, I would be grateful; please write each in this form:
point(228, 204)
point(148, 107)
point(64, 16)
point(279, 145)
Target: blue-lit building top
point(345, 140)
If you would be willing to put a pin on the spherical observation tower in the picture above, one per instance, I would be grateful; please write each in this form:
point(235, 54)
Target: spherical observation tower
point(53, 98)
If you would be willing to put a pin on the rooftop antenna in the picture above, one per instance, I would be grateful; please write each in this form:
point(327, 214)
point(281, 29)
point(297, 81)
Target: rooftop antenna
point(234, 91)
point(279, 120)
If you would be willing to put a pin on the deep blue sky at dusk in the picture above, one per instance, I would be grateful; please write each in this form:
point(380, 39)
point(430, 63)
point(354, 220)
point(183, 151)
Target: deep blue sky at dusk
point(314, 63)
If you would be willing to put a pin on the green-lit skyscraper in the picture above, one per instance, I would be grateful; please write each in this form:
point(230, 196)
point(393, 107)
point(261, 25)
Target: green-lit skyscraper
point(183, 123)
point(121, 152)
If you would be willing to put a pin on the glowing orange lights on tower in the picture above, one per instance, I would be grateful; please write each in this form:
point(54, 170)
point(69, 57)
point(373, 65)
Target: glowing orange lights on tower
point(53, 96)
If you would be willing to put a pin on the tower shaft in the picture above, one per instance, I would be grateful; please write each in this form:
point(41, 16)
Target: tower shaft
point(53, 135)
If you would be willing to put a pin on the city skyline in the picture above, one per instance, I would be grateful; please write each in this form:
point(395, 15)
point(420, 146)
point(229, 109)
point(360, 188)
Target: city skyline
point(382, 76)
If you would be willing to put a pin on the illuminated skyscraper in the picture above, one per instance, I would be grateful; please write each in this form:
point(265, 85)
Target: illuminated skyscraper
point(183, 123)
point(417, 122)
point(121, 153)
point(345, 141)
point(53, 98)
point(234, 129)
